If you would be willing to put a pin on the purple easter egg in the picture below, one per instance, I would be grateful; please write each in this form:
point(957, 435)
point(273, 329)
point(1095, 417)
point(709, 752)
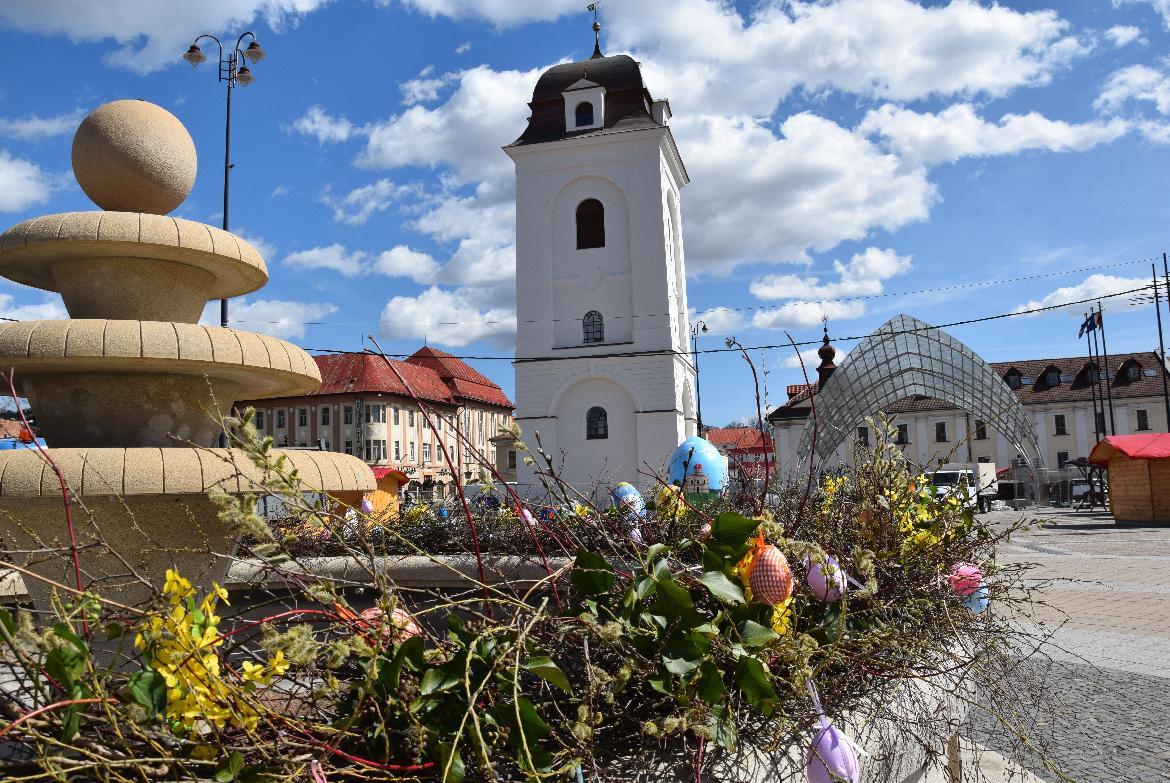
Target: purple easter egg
point(831, 758)
point(367, 507)
point(826, 580)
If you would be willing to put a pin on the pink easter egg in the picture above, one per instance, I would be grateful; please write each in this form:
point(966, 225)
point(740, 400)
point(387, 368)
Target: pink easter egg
point(400, 627)
point(771, 578)
point(825, 580)
point(831, 759)
point(965, 578)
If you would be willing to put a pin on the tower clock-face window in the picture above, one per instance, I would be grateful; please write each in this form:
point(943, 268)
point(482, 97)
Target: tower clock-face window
point(590, 224)
point(596, 424)
point(584, 114)
point(593, 326)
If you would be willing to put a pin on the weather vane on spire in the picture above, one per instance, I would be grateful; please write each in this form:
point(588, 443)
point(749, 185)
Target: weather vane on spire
point(596, 28)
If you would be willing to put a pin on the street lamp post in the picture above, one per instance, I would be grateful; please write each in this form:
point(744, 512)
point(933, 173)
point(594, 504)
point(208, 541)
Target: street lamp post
point(233, 71)
point(696, 327)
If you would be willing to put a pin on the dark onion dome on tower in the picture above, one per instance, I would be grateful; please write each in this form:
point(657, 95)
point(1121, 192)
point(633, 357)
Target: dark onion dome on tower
point(627, 101)
point(827, 353)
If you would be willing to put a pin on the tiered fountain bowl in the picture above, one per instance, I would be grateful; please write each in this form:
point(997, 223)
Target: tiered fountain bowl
point(128, 391)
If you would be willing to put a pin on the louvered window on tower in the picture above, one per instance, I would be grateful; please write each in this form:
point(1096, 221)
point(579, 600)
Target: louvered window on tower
point(596, 424)
point(590, 224)
point(593, 327)
point(584, 113)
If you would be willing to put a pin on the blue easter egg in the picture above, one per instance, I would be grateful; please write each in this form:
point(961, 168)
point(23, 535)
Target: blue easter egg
point(698, 466)
point(626, 496)
point(977, 601)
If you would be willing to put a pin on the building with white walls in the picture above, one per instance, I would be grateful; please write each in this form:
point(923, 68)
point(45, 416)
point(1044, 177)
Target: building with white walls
point(602, 368)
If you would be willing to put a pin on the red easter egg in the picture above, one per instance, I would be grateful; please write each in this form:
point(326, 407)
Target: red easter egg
point(771, 578)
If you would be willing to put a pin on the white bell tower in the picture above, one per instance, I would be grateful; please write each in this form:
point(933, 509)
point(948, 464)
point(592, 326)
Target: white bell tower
point(603, 370)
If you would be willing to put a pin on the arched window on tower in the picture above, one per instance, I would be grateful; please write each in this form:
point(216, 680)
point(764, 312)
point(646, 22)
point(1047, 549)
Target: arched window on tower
point(584, 114)
point(590, 224)
point(596, 424)
point(593, 326)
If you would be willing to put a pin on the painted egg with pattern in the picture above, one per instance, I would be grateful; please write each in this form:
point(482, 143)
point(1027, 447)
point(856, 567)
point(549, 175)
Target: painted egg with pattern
point(965, 579)
point(401, 625)
point(697, 466)
point(771, 578)
point(627, 498)
point(977, 601)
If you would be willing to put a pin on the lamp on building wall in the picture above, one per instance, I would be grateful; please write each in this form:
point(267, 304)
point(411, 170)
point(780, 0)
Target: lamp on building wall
point(233, 71)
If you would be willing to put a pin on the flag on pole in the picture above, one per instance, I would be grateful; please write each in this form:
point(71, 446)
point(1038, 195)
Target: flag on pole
point(1090, 323)
point(1098, 321)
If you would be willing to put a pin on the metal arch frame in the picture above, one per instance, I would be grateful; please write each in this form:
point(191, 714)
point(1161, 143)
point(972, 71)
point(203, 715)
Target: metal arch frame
point(906, 357)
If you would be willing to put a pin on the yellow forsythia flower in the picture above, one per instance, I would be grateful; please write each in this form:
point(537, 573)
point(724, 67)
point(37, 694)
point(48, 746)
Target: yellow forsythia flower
point(782, 617)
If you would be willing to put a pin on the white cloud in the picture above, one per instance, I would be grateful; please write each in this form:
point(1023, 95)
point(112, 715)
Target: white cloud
point(266, 249)
point(958, 132)
point(862, 276)
point(47, 310)
point(401, 261)
point(757, 197)
point(360, 204)
point(22, 183)
point(324, 127)
point(1121, 35)
point(453, 318)
point(502, 13)
point(276, 317)
point(463, 48)
point(425, 88)
point(802, 315)
point(150, 35)
point(334, 257)
point(1092, 286)
point(720, 320)
point(36, 127)
point(1135, 83)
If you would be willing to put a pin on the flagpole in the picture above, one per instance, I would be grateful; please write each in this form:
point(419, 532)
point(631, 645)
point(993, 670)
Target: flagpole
point(1097, 348)
point(1096, 377)
point(1161, 343)
point(1108, 372)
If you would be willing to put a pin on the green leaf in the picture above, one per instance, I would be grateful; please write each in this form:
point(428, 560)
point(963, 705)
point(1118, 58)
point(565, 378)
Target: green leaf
point(722, 587)
point(756, 635)
point(437, 680)
point(65, 632)
point(679, 666)
point(449, 752)
point(148, 689)
point(711, 687)
point(733, 529)
point(654, 551)
point(662, 686)
point(70, 722)
point(7, 621)
point(230, 769)
point(115, 631)
point(722, 727)
point(752, 681)
point(543, 667)
point(591, 574)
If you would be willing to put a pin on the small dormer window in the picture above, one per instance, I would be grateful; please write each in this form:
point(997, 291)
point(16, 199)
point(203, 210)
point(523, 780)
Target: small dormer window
point(1051, 378)
point(1013, 379)
point(584, 114)
point(1132, 372)
point(1090, 374)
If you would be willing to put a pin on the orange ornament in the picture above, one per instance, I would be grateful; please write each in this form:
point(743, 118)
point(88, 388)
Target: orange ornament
point(769, 575)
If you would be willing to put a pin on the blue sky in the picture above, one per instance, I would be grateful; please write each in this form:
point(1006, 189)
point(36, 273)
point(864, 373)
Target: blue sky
point(837, 150)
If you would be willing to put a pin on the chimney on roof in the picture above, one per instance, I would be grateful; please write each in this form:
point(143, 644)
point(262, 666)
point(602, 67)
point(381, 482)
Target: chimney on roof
point(827, 354)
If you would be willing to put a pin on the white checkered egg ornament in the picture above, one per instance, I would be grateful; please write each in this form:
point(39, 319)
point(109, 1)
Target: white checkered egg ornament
point(771, 578)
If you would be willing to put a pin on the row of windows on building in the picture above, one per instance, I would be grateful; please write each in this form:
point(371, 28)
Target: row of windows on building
point(1129, 372)
point(373, 414)
point(1059, 427)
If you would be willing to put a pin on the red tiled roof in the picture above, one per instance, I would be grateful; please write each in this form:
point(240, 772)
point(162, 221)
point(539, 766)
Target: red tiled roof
point(1035, 393)
point(1154, 445)
point(349, 373)
point(739, 438)
point(461, 378)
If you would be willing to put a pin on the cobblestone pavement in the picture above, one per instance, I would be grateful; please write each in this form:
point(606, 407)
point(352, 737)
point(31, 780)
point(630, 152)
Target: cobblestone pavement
point(1109, 615)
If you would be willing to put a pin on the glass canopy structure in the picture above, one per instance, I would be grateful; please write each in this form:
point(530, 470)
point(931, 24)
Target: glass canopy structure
point(903, 358)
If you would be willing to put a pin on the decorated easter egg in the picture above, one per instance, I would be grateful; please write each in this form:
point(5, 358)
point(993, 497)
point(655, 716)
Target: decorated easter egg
point(977, 601)
point(825, 580)
point(400, 626)
point(771, 578)
point(832, 758)
point(627, 498)
point(367, 507)
point(965, 578)
point(528, 518)
point(698, 466)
